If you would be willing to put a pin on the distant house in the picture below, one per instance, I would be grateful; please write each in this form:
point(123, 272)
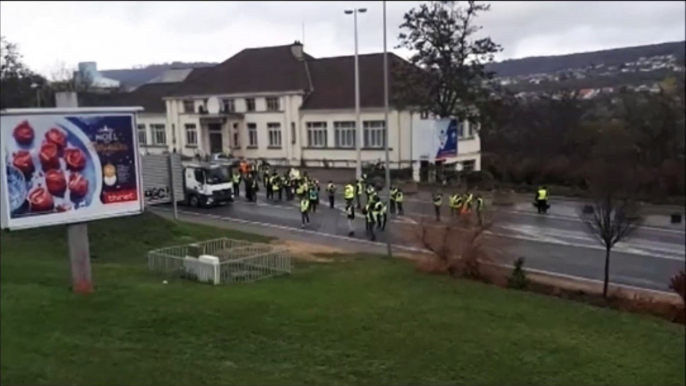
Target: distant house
point(282, 105)
point(588, 93)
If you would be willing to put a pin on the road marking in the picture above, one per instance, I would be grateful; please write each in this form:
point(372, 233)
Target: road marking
point(405, 248)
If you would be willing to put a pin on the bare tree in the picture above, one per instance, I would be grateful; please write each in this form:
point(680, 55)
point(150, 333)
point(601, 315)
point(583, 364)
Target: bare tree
point(612, 214)
point(458, 246)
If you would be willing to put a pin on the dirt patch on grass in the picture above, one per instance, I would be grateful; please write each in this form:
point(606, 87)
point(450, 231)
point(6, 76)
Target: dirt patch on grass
point(309, 252)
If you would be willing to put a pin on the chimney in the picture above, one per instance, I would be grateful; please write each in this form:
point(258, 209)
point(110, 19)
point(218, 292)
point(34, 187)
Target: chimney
point(297, 50)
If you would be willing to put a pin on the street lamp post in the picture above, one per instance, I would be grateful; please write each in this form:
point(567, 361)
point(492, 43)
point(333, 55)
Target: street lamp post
point(358, 123)
point(37, 88)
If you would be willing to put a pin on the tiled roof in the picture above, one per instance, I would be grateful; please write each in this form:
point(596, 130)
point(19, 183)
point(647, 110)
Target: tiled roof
point(334, 81)
point(251, 70)
point(330, 84)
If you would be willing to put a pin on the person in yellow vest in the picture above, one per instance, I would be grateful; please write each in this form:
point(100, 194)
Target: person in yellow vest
point(394, 194)
point(467, 204)
point(236, 179)
point(331, 190)
point(438, 201)
point(350, 212)
point(276, 186)
point(359, 188)
point(349, 194)
point(314, 197)
point(301, 191)
point(305, 210)
point(399, 198)
point(542, 199)
point(455, 204)
point(381, 216)
point(370, 192)
point(370, 218)
point(479, 207)
point(268, 183)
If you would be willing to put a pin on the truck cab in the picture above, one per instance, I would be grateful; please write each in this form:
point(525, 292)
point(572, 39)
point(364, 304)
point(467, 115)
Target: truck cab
point(207, 185)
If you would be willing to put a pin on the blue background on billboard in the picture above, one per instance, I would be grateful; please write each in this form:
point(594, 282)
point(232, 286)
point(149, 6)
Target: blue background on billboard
point(449, 149)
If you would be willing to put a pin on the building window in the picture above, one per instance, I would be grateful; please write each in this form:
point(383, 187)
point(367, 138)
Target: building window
point(460, 130)
point(250, 104)
point(203, 107)
point(159, 134)
point(469, 165)
point(424, 115)
point(344, 134)
point(191, 135)
point(274, 130)
point(252, 135)
point(374, 134)
point(293, 133)
point(236, 136)
point(316, 134)
point(472, 129)
point(229, 106)
point(273, 104)
point(142, 135)
point(188, 106)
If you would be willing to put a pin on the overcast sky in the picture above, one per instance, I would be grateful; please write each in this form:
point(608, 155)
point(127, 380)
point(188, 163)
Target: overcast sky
point(125, 34)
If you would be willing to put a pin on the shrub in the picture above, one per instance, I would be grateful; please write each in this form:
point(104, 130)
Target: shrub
point(517, 279)
point(678, 285)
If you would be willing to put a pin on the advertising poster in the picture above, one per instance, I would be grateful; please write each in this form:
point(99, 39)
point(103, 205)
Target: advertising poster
point(446, 130)
point(435, 139)
point(67, 168)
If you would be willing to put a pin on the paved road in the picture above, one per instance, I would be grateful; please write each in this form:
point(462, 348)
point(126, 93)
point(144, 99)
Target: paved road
point(557, 243)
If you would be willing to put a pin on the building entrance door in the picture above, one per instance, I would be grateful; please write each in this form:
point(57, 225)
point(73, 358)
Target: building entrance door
point(216, 140)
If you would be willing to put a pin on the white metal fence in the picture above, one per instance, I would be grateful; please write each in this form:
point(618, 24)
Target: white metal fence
point(236, 261)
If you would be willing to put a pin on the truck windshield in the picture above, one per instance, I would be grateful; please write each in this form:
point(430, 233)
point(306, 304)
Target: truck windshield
point(218, 175)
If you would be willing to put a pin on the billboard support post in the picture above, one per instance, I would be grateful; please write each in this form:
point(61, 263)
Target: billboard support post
point(80, 258)
point(77, 234)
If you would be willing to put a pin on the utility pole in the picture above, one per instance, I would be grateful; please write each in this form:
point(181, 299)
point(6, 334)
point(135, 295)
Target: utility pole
point(386, 129)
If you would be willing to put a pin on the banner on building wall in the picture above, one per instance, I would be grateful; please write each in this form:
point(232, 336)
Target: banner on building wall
point(60, 168)
point(435, 139)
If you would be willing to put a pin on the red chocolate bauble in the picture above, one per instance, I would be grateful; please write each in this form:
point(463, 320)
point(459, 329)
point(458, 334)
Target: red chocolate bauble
point(75, 159)
point(78, 185)
point(56, 182)
point(40, 200)
point(49, 156)
point(23, 133)
point(57, 137)
point(23, 161)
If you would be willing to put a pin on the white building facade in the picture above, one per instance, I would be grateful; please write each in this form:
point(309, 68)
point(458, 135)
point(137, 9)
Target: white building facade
point(283, 106)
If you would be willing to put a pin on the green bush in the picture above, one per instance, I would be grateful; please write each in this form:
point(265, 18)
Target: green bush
point(517, 279)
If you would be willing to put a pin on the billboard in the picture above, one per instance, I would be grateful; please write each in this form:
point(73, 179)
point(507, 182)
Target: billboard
point(68, 167)
point(435, 139)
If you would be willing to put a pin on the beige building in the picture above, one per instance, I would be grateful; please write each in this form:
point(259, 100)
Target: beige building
point(282, 105)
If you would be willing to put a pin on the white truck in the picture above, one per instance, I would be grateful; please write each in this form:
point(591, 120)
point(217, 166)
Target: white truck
point(207, 185)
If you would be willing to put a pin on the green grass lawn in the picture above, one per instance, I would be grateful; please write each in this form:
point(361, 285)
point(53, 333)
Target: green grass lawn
point(354, 321)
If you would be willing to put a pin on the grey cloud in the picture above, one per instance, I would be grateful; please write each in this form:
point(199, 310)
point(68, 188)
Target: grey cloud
point(194, 31)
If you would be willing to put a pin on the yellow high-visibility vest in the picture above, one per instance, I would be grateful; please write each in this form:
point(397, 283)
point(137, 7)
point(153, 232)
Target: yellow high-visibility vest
point(542, 194)
point(349, 192)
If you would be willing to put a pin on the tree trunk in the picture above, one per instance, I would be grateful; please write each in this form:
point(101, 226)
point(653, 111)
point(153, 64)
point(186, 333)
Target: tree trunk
point(607, 271)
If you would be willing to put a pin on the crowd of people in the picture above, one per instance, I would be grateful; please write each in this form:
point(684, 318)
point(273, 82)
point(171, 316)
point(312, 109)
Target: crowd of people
point(290, 186)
